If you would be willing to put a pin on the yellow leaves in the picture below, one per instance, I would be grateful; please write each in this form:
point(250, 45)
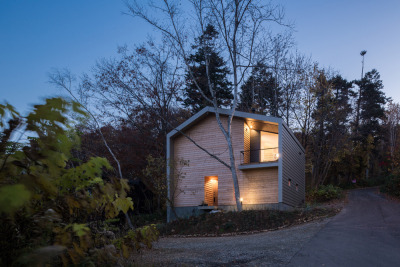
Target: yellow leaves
point(137, 238)
point(119, 204)
point(13, 197)
point(125, 251)
point(72, 203)
point(123, 204)
point(69, 236)
point(149, 234)
point(41, 176)
point(80, 229)
point(110, 211)
point(124, 184)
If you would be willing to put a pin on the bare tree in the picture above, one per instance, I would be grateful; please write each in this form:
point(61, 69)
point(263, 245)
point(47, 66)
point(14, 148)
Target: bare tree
point(305, 104)
point(292, 80)
point(64, 80)
point(392, 122)
point(147, 80)
point(239, 23)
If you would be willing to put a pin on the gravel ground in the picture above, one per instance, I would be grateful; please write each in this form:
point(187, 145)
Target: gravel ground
point(274, 248)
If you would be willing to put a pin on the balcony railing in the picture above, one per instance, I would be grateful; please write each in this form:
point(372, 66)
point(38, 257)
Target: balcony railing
point(259, 155)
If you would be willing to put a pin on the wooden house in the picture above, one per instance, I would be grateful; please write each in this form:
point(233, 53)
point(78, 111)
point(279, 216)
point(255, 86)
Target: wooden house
point(269, 159)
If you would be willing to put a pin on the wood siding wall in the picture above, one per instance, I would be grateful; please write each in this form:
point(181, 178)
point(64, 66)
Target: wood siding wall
point(293, 167)
point(246, 155)
point(256, 186)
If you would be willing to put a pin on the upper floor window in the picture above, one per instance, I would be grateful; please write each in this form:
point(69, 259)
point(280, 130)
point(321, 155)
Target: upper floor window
point(263, 146)
point(269, 146)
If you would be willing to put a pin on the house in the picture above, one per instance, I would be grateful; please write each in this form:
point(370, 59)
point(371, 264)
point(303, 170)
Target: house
point(270, 164)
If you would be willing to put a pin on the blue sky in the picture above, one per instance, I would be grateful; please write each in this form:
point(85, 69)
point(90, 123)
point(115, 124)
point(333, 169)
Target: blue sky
point(36, 36)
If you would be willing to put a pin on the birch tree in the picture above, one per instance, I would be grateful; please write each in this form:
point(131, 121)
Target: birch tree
point(392, 124)
point(240, 24)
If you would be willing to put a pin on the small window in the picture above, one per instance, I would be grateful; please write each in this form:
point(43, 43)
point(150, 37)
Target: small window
point(289, 182)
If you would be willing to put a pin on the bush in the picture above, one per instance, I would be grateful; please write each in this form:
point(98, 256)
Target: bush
point(325, 193)
point(55, 209)
point(238, 222)
point(392, 185)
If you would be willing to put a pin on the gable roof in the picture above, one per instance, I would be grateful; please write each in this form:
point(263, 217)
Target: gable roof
point(238, 114)
point(210, 110)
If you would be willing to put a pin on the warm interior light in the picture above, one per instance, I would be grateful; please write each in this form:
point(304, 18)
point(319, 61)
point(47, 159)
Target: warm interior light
point(277, 156)
point(251, 126)
point(241, 199)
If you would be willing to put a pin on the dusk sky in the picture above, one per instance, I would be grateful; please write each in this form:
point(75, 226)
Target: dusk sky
point(37, 36)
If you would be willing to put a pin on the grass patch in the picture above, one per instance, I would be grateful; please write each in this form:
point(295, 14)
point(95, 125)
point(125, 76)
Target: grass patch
point(324, 193)
point(141, 220)
point(238, 222)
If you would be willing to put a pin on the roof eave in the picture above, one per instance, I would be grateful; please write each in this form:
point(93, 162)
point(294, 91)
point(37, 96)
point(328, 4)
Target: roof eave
point(205, 111)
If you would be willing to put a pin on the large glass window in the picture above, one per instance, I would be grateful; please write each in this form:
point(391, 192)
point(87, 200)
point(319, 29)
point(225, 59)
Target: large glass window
point(269, 146)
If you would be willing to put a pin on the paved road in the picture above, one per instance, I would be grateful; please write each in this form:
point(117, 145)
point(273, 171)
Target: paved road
point(274, 248)
point(365, 233)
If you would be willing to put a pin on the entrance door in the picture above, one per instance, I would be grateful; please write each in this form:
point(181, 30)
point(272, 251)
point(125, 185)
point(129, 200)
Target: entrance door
point(211, 190)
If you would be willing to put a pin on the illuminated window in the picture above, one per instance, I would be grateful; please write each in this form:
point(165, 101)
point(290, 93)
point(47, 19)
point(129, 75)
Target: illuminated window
point(269, 146)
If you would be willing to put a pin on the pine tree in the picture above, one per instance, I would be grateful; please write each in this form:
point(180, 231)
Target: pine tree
point(260, 92)
point(218, 72)
point(369, 131)
point(372, 105)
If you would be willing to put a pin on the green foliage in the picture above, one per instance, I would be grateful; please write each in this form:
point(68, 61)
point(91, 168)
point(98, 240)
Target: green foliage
point(392, 185)
point(13, 197)
point(137, 239)
point(325, 193)
point(47, 200)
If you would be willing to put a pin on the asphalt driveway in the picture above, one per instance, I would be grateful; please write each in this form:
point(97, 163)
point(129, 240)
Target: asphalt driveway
point(365, 233)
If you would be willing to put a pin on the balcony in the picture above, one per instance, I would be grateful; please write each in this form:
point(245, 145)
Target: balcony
point(259, 158)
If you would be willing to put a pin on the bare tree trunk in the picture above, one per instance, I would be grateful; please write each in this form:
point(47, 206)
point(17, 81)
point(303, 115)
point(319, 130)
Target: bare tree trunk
point(238, 21)
point(59, 80)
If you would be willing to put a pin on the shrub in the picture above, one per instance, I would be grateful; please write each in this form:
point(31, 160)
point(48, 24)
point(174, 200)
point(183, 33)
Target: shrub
point(392, 185)
point(325, 193)
point(53, 209)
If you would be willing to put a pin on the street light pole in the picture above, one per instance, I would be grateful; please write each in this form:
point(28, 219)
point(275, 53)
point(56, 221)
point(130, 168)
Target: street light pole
point(362, 53)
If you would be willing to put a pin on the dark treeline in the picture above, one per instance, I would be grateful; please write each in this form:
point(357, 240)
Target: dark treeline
point(348, 127)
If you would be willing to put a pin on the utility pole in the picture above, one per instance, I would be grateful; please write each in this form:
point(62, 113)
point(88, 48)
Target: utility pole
point(362, 53)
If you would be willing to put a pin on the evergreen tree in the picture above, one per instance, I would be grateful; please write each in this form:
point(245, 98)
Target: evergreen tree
point(341, 95)
point(338, 130)
point(372, 105)
point(368, 133)
point(260, 92)
point(330, 132)
point(218, 72)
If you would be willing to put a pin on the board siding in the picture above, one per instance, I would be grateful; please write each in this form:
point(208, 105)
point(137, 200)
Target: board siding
point(258, 186)
point(293, 167)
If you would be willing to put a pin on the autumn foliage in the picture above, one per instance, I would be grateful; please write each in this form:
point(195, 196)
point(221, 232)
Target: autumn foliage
point(54, 207)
